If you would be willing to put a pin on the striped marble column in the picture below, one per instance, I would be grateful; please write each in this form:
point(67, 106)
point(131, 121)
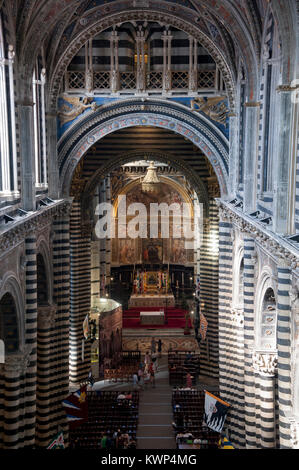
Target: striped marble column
point(265, 367)
point(108, 240)
point(225, 297)
point(103, 195)
point(95, 258)
point(31, 338)
point(46, 321)
point(209, 271)
point(231, 353)
point(14, 406)
point(80, 294)
point(95, 273)
point(249, 380)
point(284, 352)
point(2, 402)
point(59, 351)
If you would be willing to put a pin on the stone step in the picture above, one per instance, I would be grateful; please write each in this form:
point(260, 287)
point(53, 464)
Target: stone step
point(154, 430)
point(156, 443)
point(154, 418)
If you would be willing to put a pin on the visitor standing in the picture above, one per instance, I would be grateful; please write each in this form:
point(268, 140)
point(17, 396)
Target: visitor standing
point(153, 346)
point(189, 380)
point(160, 347)
point(140, 376)
point(104, 441)
point(135, 381)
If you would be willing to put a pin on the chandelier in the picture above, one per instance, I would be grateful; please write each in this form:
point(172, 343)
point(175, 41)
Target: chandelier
point(151, 180)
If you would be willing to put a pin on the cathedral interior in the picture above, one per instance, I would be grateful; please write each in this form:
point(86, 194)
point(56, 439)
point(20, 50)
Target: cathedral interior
point(180, 104)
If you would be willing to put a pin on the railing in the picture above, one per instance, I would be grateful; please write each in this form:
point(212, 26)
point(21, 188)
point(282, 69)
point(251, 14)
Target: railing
point(155, 81)
point(75, 81)
point(101, 80)
point(179, 80)
point(206, 79)
point(127, 80)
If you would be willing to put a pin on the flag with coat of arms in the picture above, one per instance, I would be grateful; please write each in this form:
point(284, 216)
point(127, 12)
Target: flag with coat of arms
point(203, 327)
point(86, 330)
point(58, 442)
point(215, 412)
point(76, 407)
point(197, 288)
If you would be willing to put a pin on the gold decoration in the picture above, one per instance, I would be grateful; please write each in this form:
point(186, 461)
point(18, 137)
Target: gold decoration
point(214, 107)
point(151, 181)
point(252, 104)
point(79, 105)
point(78, 182)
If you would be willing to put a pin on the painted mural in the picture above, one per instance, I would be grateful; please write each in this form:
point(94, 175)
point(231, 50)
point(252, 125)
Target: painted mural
point(155, 250)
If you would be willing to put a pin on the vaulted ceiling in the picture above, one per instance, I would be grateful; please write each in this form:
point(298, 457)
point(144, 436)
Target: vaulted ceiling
point(55, 23)
point(58, 28)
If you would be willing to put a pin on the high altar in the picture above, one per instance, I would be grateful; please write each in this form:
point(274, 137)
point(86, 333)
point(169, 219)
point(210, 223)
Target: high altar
point(152, 289)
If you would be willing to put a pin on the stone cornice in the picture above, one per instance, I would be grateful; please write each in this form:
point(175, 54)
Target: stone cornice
point(277, 246)
point(16, 232)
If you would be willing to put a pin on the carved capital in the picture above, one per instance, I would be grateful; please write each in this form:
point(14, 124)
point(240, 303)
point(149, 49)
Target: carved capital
point(46, 316)
point(294, 431)
point(252, 104)
point(238, 316)
point(294, 296)
point(17, 362)
point(286, 88)
point(264, 363)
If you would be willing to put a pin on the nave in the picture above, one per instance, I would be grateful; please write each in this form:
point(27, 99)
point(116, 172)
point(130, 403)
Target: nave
point(166, 416)
point(149, 190)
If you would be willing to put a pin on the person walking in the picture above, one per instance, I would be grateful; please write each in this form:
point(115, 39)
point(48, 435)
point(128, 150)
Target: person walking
point(140, 376)
point(189, 380)
point(152, 375)
point(147, 359)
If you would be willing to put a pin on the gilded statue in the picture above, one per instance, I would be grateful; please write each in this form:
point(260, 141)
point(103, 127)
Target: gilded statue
point(79, 105)
point(214, 107)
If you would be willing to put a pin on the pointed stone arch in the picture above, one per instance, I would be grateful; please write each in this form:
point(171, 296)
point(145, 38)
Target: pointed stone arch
point(192, 126)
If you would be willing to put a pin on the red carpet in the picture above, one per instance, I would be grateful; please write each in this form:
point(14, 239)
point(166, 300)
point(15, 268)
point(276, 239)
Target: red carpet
point(175, 318)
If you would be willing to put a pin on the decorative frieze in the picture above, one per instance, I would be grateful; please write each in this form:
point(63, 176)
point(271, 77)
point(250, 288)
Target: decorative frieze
point(264, 363)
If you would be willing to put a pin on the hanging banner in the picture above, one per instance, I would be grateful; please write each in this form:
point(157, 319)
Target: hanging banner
point(215, 412)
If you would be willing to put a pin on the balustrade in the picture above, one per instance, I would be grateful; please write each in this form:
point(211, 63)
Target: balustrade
point(76, 81)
